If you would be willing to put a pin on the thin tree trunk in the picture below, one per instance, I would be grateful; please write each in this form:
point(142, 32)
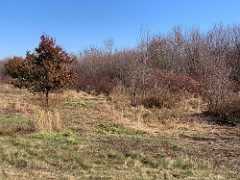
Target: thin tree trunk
point(47, 99)
point(49, 123)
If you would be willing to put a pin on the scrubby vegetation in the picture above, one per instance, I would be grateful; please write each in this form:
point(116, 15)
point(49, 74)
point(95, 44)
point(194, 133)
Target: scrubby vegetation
point(203, 64)
point(167, 109)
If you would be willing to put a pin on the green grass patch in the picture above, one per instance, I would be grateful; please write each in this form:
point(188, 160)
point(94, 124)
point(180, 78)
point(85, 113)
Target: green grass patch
point(78, 101)
point(62, 150)
point(116, 129)
point(11, 119)
point(175, 146)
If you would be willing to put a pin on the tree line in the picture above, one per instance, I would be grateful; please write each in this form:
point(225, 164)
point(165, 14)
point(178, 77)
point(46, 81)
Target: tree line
point(163, 68)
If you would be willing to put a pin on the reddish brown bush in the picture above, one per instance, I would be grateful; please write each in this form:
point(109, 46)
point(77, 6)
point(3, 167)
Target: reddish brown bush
point(175, 83)
point(5, 79)
point(12, 65)
point(101, 84)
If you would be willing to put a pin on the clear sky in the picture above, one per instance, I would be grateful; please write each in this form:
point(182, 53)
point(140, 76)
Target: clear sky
point(77, 24)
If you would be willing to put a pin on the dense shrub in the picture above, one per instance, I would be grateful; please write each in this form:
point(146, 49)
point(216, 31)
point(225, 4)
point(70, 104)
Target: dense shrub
point(223, 100)
point(12, 65)
point(162, 99)
point(152, 102)
point(227, 109)
point(100, 85)
point(176, 83)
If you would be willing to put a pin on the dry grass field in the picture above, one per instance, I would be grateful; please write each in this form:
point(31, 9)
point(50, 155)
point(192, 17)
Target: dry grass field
point(99, 137)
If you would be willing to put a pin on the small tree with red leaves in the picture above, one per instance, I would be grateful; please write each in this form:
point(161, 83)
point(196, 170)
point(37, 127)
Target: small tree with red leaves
point(46, 69)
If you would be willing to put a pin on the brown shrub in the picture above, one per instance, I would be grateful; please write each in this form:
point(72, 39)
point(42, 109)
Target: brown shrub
point(101, 84)
point(12, 65)
point(151, 102)
point(175, 82)
point(161, 99)
point(5, 79)
point(227, 108)
point(223, 101)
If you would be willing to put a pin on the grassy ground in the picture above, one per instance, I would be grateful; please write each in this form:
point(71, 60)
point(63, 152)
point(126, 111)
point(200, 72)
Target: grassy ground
point(96, 137)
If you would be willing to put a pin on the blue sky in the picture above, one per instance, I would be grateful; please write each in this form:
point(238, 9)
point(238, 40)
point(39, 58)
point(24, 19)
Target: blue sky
point(77, 24)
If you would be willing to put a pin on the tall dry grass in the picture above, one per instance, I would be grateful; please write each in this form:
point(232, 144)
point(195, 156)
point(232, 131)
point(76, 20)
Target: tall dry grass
point(48, 120)
point(181, 110)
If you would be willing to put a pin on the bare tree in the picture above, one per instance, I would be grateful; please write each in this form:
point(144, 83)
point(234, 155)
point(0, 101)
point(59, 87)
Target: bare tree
point(194, 45)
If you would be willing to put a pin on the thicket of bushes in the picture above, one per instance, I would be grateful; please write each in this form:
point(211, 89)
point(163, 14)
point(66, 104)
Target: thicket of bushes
point(162, 68)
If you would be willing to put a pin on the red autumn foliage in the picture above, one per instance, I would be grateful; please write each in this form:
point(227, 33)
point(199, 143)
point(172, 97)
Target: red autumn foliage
point(45, 70)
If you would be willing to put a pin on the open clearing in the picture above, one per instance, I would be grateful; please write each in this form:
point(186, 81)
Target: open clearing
point(98, 137)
